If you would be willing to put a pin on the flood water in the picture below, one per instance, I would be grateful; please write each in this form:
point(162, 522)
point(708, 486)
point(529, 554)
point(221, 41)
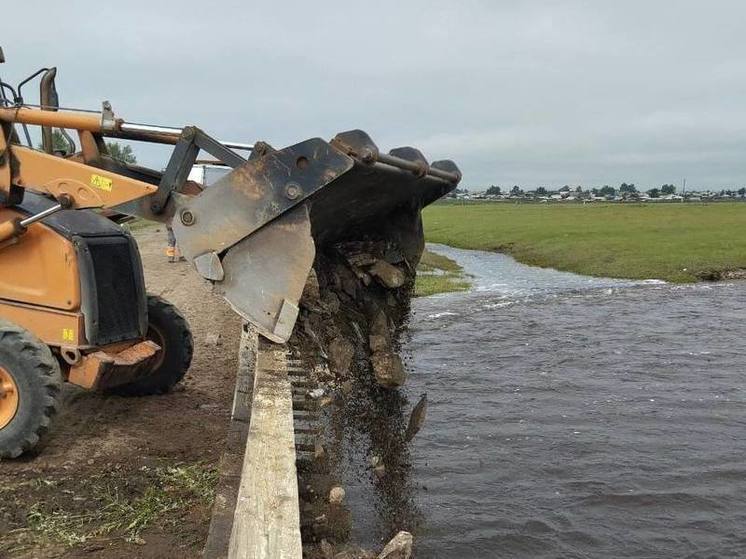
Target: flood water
point(578, 417)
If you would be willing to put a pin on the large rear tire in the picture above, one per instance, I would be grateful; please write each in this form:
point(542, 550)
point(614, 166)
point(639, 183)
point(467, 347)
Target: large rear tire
point(169, 329)
point(30, 389)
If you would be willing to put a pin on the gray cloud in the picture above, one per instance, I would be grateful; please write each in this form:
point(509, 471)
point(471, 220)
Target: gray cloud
point(516, 92)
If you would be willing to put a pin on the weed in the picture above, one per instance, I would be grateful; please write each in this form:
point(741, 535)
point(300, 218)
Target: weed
point(169, 491)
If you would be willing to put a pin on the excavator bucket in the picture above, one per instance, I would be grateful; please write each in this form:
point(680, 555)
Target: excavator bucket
point(255, 232)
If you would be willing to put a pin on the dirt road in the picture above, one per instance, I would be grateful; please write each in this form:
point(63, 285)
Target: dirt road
point(131, 477)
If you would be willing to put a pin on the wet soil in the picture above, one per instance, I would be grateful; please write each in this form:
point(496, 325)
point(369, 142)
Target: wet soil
point(108, 453)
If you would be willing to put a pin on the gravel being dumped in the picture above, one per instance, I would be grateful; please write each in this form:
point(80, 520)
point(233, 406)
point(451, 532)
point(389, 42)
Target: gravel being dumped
point(354, 476)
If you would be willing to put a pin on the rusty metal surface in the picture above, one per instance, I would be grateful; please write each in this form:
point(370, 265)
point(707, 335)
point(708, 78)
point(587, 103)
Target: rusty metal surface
point(108, 368)
point(253, 194)
point(266, 272)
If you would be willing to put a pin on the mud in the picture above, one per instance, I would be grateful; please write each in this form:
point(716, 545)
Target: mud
point(353, 312)
point(107, 453)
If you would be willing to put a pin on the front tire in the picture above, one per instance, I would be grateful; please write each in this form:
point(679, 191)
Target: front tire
point(169, 329)
point(30, 389)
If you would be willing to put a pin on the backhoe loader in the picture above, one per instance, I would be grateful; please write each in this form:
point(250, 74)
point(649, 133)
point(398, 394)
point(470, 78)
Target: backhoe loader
point(73, 304)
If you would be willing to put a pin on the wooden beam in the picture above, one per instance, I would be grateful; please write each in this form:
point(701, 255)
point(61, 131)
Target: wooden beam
point(231, 463)
point(266, 524)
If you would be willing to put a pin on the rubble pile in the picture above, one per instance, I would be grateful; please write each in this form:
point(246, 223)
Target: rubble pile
point(353, 309)
point(354, 304)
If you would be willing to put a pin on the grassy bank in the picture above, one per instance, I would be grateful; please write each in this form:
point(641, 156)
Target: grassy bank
point(674, 242)
point(438, 274)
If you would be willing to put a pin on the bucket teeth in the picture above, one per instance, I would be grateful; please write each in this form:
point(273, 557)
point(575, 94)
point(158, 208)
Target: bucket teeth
point(448, 166)
point(358, 144)
point(409, 153)
point(413, 155)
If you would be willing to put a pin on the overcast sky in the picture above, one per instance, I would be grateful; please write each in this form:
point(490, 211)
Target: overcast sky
point(529, 93)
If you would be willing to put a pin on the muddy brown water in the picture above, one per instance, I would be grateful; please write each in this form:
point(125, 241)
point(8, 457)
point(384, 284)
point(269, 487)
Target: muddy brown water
point(570, 417)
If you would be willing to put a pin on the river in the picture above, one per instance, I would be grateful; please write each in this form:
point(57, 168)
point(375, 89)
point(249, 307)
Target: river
point(578, 417)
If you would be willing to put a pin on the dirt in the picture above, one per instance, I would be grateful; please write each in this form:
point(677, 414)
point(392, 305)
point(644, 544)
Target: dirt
point(131, 477)
point(353, 312)
point(722, 275)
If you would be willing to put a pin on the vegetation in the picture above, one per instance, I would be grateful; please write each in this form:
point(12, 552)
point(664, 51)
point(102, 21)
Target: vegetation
point(674, 242)
point(438, 274)
point(625, 191)
point(119, 511)
point(120, 152)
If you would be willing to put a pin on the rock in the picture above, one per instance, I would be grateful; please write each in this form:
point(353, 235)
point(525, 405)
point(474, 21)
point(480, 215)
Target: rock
point(311, 290)
point(388, 369)
point(362, 276)
point(347, 280)
point(316, 394)
point(388, 274)
point(330, 302)
point(360, 259)
point(379, 326)
point(358, 332)
point(326, 549)
point(341, 353)
point(349, 286)
point(378, 343)
point(379, 468)
point(346, 387)
point(320, 524)
point(336, 495)
point(416, 418)
point(400, 547)
point(393, 255)
point(318, 450)
point(212, 339)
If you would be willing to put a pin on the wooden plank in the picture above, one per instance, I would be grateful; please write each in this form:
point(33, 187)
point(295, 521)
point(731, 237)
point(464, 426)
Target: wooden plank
point(231, 463)
point(266, 523)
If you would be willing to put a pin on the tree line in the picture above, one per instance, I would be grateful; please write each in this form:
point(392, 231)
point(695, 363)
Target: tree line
point(625, 189)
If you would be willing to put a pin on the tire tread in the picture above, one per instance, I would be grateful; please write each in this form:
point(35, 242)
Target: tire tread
point(18, 340)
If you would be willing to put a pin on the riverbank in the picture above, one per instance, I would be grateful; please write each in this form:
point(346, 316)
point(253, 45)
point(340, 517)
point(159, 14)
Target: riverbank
point(673, 242)
point(439, 274)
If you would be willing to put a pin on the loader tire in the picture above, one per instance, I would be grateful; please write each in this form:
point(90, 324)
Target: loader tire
point(169, 329)
point(30, 389)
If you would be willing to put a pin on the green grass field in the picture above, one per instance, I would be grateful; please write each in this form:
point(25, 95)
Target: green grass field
point(674, 242)
point(438, 274)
